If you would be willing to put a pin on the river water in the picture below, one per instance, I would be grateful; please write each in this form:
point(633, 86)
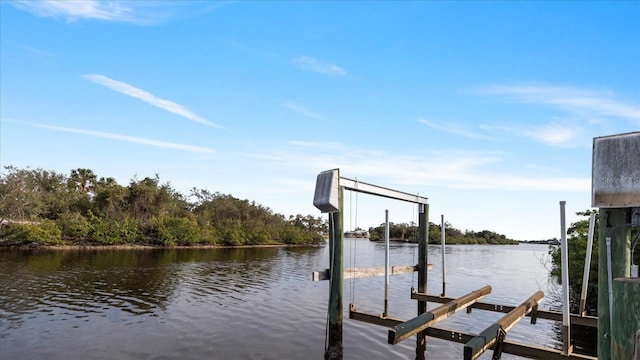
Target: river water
point(255, 303)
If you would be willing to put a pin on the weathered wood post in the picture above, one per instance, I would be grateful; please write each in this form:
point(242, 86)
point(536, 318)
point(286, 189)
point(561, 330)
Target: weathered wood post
point(610, 226)
point(423, 241)
point(336, 246)
point(328, 198)
point(615, 191)
point(626, 318)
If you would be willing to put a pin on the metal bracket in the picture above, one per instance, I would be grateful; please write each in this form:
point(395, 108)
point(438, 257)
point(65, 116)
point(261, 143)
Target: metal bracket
point(635, 216)
point(497, 352)
point(534, 315)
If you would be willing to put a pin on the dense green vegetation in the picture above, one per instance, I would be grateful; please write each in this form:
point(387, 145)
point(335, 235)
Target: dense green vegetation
point(409, 233)
point(577, 236)
point(45, 207)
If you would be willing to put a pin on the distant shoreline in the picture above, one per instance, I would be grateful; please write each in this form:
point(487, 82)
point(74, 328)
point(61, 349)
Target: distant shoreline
point(145, 247)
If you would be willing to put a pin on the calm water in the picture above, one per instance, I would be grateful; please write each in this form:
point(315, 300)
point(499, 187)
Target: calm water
point(244, 303)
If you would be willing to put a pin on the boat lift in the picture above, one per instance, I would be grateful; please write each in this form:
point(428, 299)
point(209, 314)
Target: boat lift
point(328, 198)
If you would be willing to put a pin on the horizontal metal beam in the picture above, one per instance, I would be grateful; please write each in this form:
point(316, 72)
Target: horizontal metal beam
point(589, 321)
point(486, 339)
point(423, 321)
point(510, 347)
point(366, 188)
point(352, 273)
point(373, 319)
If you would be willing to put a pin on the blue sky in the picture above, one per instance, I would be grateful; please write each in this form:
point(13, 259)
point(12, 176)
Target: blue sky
point(489, 109)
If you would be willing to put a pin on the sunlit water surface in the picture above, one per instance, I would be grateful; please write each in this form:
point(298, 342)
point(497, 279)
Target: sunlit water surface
point(245, 303)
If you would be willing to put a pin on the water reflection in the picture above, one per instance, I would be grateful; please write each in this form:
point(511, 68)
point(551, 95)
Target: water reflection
point(77, 283)
point(253, 303)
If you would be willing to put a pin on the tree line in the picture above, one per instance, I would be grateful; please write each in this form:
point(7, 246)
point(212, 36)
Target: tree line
point(45, 207)
point(409, 233)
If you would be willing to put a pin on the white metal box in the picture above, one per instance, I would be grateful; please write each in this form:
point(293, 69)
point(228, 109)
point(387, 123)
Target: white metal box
point(326, 197)
point(615, 181)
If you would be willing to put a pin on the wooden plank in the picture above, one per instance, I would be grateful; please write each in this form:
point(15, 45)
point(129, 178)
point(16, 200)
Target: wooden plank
point(379, 271)
point(510, 347)
point(423, 321)
point(589, 321)
point(352, 273)
point(321, 275)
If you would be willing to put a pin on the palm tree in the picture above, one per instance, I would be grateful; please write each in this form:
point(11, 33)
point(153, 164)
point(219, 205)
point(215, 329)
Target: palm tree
point(83, 179)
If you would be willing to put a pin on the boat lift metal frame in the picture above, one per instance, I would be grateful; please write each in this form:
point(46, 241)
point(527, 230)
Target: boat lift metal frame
point(329, 196)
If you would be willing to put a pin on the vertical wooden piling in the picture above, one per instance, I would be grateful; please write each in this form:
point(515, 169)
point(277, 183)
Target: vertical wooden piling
point(615, 190)
point(611, 224)
point(423, 240)
point(626, 318)
point(333, 349)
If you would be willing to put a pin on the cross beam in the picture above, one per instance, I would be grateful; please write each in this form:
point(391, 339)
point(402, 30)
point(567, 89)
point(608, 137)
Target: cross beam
point(366, 188)
point(351, 273)
point(423, 321)
point(486, 339)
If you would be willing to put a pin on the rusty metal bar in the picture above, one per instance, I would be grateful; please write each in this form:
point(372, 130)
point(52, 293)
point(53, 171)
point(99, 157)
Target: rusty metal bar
point(423, 321)
point(479, 344)
point(589, 321)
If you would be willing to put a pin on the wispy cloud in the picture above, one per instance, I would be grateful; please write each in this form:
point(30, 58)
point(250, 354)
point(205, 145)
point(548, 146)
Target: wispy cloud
point(132, 139)
point(319, 66)
point(580, 113)
point(448, 169)
point(301, 109)
point(135, 12)
point(553, 133)
point(574, 100)
point(453, 128)
point(72, 10)
point(149, 98)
